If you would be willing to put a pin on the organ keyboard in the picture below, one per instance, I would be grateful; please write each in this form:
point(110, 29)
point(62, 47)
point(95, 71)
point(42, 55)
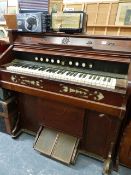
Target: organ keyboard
point(84, 78)
point(64, 79)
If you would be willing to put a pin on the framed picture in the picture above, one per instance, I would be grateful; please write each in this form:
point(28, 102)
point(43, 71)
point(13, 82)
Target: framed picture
point(3, 10)
point(128, 17)
point(123, 14)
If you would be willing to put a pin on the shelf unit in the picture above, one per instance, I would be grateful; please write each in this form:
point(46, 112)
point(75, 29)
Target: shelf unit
point(101, 18)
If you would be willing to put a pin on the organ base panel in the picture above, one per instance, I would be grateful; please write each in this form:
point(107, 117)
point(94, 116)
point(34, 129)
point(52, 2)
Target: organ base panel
point(71, 90)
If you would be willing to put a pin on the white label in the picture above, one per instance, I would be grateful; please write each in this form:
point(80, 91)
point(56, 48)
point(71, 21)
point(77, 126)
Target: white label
point(103, 42)
point(68, 9)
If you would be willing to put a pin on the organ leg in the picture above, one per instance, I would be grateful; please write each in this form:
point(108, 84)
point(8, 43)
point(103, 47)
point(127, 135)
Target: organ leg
point(108, 163)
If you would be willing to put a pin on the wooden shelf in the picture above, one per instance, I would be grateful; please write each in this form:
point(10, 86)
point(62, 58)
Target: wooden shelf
point(115, 26)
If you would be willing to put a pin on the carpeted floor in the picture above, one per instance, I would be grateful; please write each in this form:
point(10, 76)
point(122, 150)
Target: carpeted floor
point(17, 157)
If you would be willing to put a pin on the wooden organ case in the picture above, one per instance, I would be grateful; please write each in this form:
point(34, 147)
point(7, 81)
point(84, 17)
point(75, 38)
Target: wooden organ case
point(73, 84)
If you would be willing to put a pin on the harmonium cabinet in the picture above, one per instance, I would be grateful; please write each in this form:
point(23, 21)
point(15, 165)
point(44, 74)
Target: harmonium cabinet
point(71, 92)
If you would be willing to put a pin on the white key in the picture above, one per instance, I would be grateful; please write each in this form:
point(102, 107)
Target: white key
point(34, 71)
point(10, 68)
point(68, 77)
point(94, 80)
point(55, 75)
point(97, 83)
point(77, 78)
point(43, 73)
point(105, 82)
point(18, 69)
point(83, 79)
point(86, 79)
point(101, 81)
point(62, 76)
point(90, 80)
point(109, 84)
point(113, 83)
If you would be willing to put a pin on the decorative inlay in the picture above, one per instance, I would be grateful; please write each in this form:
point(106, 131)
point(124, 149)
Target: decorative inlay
point(82, 92)
point(66, 40)
point(24, 81)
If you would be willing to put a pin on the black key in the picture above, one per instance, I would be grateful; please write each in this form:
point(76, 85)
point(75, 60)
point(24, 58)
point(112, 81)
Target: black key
point(104, 79)
point(90, 76)
point(98, 78)
point(34, 68)
point(16, 65)
point(94, 77)
point(68, 73)
point(41, 69)
point(63, 71)
point(71, 74)
point(84, 75)
point(55, 70)
point(81, 75)
point(75, 74)
point(59, 72)
point(109, 79)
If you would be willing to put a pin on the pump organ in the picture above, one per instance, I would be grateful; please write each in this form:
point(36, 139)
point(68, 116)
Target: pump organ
point(75, 84)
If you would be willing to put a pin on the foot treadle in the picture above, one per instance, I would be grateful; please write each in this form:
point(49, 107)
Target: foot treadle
point(56, 145)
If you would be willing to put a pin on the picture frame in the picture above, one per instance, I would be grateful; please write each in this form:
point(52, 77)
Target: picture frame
point(123, 14)
point(3, 10)
point(128, 17)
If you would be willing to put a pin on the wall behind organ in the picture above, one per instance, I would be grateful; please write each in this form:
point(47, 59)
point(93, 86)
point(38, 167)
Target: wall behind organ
point(84, 1)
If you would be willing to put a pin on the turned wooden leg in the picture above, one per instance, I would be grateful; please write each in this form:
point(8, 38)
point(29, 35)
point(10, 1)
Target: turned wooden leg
point(107, 167)
point(108, 163)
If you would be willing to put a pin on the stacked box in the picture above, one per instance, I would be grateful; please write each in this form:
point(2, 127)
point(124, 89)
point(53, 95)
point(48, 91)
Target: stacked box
point(7, 124)
point(5, 94)
point(8, 111)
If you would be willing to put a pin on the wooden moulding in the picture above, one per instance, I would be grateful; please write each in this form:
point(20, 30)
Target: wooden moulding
point(125, 31)
point(99, 31)
point(111, 31)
